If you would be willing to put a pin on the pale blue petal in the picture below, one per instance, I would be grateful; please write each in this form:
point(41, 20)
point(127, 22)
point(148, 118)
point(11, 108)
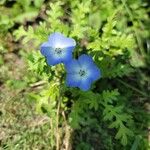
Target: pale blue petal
point(95, 73)
point(55, 38)
point(72, 66)
point(69, 42)
point(67, 56)
point(52, 60)
point(55, 58)
point(85, 61)
point(72, 80)
point(46, 49)
point(85, 84)
point(70, 49)
point(58, 40)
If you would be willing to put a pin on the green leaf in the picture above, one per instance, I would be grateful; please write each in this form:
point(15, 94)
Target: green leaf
point(136, 143)
point(116, 115)
point(26, 16)
point(38, 3)
point(110, 96)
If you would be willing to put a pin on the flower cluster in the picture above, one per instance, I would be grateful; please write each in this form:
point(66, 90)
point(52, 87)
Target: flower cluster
point(81, 72)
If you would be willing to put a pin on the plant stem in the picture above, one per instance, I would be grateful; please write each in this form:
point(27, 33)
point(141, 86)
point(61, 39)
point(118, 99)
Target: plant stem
point(68, 131)
point(57, 124)
point(58, 117)
point(133, 88)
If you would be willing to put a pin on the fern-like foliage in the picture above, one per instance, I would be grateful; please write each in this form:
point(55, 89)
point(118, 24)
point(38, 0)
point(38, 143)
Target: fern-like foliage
point(99, 28)
point(116, 115)
point(113, 68)
point(79, 19)
point(112, 42)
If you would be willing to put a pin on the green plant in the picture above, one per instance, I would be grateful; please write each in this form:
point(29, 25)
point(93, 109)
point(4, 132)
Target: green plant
point(113, 44)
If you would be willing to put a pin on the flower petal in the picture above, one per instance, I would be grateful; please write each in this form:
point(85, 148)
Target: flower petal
point(72, 66)
point(45, 49)
point(94, 72)
point(52, 60)
point(58, 40)
point(85, 61)
point(69, 42)
point(85, 84)
point(67, 56)
point(72, 80)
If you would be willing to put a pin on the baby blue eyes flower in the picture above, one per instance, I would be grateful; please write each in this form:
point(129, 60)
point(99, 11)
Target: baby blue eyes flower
point(82, 72)
point(58, 49)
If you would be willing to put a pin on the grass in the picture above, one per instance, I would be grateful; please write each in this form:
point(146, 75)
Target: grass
point(20, 126)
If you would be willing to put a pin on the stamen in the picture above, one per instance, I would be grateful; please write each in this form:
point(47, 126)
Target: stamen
point(82, 73)
point(58, 51)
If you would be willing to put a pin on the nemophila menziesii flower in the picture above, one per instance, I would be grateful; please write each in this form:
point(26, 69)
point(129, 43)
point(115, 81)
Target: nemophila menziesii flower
point(58, 48)
point(82, 72)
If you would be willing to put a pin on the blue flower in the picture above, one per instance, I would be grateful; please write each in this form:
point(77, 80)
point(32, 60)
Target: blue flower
point(82, 72)
point(58, 49)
